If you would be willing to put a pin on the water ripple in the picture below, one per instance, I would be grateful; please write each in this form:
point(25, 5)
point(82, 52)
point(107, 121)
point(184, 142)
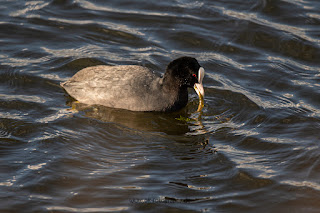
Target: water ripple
point(254, 144)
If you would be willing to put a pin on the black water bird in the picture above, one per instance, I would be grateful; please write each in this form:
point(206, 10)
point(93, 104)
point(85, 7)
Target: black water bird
point(135, 87)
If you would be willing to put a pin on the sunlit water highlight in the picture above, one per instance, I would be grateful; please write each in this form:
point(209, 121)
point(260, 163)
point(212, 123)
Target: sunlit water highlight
point(254, 147)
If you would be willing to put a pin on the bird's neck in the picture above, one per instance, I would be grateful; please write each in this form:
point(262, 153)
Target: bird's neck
point(172, 88)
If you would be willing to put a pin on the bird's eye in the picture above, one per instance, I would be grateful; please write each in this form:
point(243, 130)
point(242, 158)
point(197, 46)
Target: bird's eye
point(194, 75)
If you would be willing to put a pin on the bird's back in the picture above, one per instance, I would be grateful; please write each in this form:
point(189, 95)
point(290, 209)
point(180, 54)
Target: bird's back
point(128, 87)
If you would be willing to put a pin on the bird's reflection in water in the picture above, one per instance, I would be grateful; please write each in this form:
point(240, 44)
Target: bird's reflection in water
point(186, 123)
point(142, 121)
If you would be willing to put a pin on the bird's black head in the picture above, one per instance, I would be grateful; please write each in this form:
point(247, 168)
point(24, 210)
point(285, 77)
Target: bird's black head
point(185, 70)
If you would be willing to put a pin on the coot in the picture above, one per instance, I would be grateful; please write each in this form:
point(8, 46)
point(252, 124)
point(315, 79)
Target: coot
point(136, 88)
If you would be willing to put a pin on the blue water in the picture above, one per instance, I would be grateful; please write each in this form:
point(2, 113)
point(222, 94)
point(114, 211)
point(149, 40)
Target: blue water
point(253, 148)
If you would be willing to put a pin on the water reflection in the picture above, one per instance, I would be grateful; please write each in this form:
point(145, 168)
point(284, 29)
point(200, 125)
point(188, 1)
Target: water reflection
point(142, 121)
point(254, 146)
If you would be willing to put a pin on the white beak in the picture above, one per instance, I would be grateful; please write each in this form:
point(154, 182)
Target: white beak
point(198, 87)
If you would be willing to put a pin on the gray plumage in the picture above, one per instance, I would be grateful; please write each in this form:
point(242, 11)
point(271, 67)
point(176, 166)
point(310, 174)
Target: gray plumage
point(129, 87)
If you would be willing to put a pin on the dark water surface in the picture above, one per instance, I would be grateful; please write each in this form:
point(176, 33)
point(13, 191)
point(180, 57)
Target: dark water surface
point(254, 148)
